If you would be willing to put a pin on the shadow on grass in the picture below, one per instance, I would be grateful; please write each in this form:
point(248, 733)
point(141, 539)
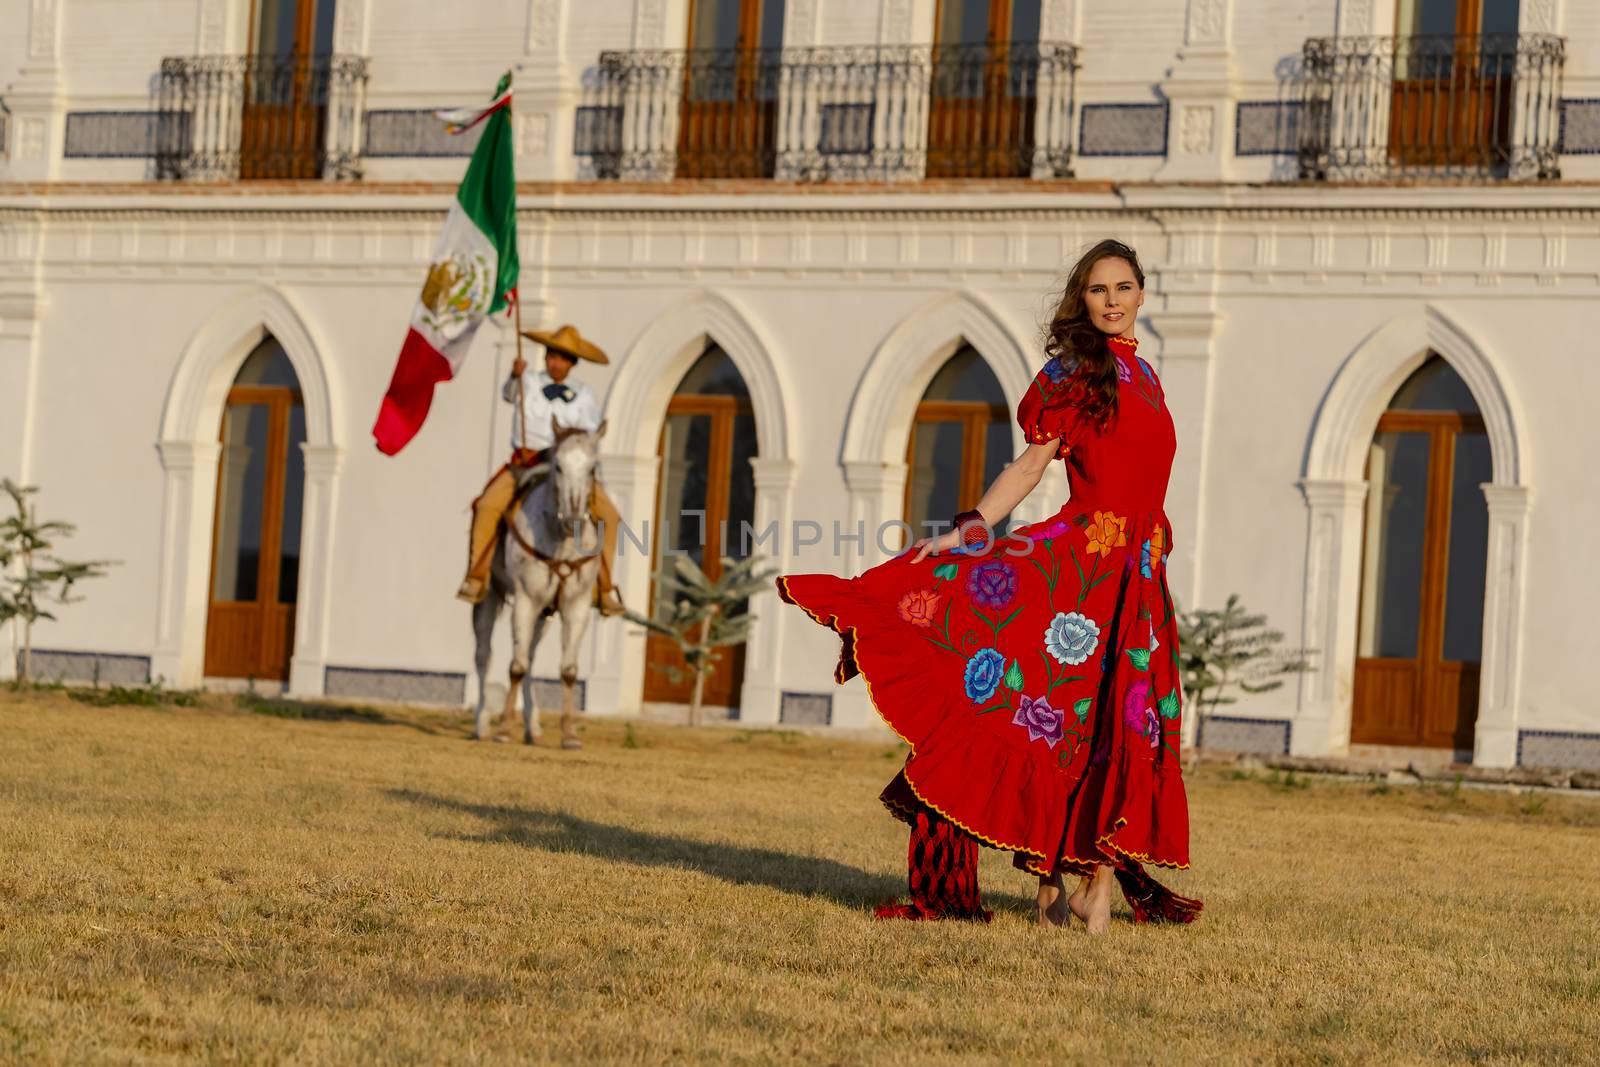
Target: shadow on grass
point(311, 711)
point(559, 831)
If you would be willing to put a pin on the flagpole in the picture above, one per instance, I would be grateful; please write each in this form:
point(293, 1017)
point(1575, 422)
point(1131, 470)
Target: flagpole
point(522, 410)
point(516, 303)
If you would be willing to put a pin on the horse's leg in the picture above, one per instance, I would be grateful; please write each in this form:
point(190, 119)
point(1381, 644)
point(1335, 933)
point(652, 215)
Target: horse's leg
point(484, 614)
point(531, 728)
point(523, 613)
point(575, 612)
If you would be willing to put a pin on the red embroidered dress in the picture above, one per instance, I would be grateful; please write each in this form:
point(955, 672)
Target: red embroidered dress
point(1038, 689)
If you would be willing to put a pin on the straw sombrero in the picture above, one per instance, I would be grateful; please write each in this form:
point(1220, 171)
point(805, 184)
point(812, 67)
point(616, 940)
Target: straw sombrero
point(569, 342)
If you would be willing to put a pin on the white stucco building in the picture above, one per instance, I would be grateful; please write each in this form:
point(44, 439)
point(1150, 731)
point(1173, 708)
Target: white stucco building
point(822, 244)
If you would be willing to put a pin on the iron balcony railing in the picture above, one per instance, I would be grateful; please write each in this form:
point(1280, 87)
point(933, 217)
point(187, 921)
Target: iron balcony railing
point(1478, 107)
point(869, 113)
point(283, 116)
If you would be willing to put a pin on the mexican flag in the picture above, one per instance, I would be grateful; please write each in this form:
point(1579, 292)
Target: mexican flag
point(473, 273)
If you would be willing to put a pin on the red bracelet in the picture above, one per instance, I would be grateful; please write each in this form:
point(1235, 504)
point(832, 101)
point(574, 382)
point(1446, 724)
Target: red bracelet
point(974, 530)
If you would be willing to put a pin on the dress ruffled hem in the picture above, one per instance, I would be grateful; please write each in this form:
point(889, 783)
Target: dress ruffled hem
point(999, 795)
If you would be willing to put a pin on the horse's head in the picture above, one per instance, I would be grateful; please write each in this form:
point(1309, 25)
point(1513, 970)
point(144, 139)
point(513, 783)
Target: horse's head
point(573, 460)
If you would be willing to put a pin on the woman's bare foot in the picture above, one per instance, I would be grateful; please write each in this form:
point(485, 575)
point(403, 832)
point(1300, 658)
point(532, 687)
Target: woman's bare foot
point(1079, 900)
point(1052, 910)
point(1099, 900)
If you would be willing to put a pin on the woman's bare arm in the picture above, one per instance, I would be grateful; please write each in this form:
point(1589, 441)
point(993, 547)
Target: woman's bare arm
point(1011, 486)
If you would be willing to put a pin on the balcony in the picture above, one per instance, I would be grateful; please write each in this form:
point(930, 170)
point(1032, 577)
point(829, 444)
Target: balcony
point(1436, 107)
point(869, 113)
point(221, 118)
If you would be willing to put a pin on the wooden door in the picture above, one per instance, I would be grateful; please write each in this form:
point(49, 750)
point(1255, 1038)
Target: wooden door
point(284, 120)
point(1421, 618)
point(728, 124)
point(706, 446)
point(960, 441)
point(984, 77)
point(1453, 83)
point(256, 534)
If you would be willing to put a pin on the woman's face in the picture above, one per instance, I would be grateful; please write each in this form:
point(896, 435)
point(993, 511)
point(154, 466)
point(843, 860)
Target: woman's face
point(1113, 296)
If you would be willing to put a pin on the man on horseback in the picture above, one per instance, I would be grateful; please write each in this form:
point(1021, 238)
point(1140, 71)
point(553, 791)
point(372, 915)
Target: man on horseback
point(550, 398)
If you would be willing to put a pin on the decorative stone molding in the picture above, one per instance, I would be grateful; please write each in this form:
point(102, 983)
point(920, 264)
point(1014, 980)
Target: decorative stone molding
point(635, 406)
point(1495, 743)
point(189, 451)
point(1356, 18)
point(1335, 494)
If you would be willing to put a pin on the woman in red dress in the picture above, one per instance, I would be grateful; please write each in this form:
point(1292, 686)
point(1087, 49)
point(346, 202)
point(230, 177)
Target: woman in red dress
point(1035, 675)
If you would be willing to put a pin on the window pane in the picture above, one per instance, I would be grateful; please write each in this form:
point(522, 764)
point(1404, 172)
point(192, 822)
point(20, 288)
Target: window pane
point(935, 474)
point(1434, 387)
point(1397, 511)
point(1025, 20)
point(996, 454)
point(240, 490)
point(294, 491)
point(965, 376)
point(772, 23)
point(1500, 16)
point(267, 365)
point(716, 24)
point(741, 488)
point(964, 22)
point(1469, 550)
point(685, 454)
point(713, 374)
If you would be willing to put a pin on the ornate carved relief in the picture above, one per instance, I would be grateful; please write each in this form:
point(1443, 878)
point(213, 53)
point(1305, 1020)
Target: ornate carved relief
point(1538, 16)
point(800, 23)
point(649, 23)
point(1059, 20)
point(1355, 17)
point(209, 36)
point(543, 16)
point(349, 28)
point(1208, 21)
point(897, 22)
point(44, 29)
point(1195, 129)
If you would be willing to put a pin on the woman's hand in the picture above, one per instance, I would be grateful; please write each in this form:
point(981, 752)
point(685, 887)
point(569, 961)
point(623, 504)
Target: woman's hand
point(945, 542)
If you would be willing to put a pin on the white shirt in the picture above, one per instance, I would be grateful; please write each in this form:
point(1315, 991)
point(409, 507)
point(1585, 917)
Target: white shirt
point(582, 412)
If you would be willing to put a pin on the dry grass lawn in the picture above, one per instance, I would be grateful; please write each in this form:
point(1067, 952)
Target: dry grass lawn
point(213, 884)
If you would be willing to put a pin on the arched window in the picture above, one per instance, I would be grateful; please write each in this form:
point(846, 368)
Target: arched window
point(960, 441)
point(255, 548)
point(1424, 557)
point(706, 497)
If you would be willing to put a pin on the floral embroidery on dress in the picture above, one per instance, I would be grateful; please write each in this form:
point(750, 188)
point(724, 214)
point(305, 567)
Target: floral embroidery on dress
point(983, 674)
point(992, 584)
point(1071, 637)
point(1108, 531)
point(1058, 370)
point(1123, 373)
point(1152, 553)
point(917, 607)
point(1042, 722)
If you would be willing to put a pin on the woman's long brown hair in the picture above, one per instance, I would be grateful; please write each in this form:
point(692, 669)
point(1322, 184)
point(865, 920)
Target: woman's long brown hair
point(1079, 345)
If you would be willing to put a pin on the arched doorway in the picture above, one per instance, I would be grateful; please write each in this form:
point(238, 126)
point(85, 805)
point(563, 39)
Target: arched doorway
point(1425, 544)
point(706, 445)
point(960, 440)
point(255, 545)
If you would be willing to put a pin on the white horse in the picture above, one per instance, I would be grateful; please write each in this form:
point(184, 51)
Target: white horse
point(549, 563)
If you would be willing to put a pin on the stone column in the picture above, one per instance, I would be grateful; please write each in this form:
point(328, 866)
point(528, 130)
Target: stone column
point(761, 697)
point(37, 99)
point(1200, 91)
point(616, 668)
point(188, 500)
point(1500, 681)
point(876, 493)
point(308, 665)
point(1328, 622)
